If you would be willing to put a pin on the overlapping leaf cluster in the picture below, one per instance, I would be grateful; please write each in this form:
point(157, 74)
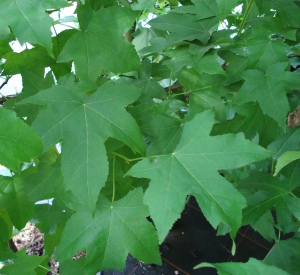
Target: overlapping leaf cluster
point(131, 118)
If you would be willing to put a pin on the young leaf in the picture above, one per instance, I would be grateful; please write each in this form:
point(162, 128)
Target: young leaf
point(18, 142)
point(253, 266)
point(115, 230)
point(285, 159)
point(83, 123)
point(192, 169)
point(102, 46)
point(25, 17)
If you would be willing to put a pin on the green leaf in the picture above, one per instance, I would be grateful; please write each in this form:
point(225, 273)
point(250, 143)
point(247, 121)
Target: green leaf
point(287, 9)
point(83, 123)
point(192, 169)
point(24, 17)
point(262, 51)
point(265, 226)
point(34, 60)
point(184, 27)
point(204, 91)
point(47, 181)
point(102, 46)
point(161, 128)
point(251, 121)
point(253, 266)
point(14, 200)
point(226, 6)
point(24, 263)
point(285, 255)
point(263, 191)
point(18, 142)
point(288, 141)
point(203, 9)
point(115, 230)
point(268, 89)
point(285, 159)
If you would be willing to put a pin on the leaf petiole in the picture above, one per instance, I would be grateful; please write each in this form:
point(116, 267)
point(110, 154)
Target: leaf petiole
point(245, 18)
point(113, 180)
point(135, 159)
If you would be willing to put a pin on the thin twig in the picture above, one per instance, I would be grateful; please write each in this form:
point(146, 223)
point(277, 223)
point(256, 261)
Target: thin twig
point(4, 83)
point(172, 88)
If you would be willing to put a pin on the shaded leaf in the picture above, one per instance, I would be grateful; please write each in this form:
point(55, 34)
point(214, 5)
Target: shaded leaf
point(285, 255)
point(285, 159)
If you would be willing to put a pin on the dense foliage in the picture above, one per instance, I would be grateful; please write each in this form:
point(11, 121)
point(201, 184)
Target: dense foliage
point(120, 119)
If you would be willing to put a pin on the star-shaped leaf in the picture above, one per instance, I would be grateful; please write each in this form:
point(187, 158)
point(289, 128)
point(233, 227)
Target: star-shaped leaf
point(262, 51)
point(115, 230)
point(192, 169)
point(83, 123)
point(102, 45)
point(253, 266)
point(18, 142)
point(24, 263)
point(24, 17)
point(14, 200)
point(263, 191)
point(268, 89)
point(184, 27)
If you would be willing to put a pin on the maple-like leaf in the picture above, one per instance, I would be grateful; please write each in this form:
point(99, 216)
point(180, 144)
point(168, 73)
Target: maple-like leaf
point(204, 91)
point(33, 60)
point(83, 123)
point(262, 51)
point(102, 45)
point(202, 9)
point(18, 142)
point(115, 230)
point(253, 266)
point(251, 121)
point(192, 169)
point(22, 263)
point(24, 17)
point(269, 90)
point(14, 200)
point(263, 191)
point(184, 27)
point(285, 255)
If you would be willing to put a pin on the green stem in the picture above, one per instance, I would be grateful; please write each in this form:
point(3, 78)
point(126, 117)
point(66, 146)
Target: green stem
point(293, 195)
point(135, 159)
point(169, 91)
point(66, 25)
point(48, 270)
point(113, 180)
point(245, 18)
point(125, 158)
